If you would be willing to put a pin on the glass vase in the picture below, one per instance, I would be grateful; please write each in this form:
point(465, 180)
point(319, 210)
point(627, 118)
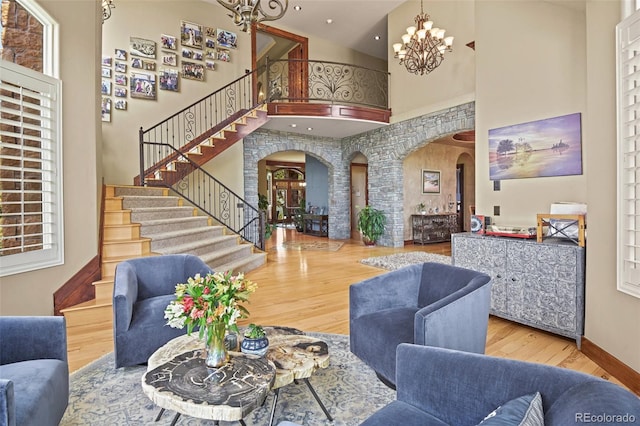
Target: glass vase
point(214, 343)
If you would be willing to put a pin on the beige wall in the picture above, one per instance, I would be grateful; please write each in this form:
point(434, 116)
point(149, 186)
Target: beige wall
point(453, 83)
point(612, 317)
point(32, 293)
point(434, 156)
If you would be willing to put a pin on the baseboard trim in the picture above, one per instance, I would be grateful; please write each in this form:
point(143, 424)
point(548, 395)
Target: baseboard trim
point(622, 372)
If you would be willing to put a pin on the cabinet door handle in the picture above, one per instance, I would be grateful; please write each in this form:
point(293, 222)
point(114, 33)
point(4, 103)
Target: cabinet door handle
point(498, 276)
point(513, 279)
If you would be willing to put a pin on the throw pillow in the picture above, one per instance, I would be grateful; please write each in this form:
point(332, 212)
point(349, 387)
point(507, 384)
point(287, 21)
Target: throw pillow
point(523, 411)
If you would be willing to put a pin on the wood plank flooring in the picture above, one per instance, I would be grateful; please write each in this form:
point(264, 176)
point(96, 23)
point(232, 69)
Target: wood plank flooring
point(309, 290)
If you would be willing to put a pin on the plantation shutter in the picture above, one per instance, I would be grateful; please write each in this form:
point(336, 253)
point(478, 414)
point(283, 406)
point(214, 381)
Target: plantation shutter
point(30, 171)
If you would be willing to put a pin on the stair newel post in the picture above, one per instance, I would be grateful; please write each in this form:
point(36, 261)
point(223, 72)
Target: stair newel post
point(141, 137)
point(262, 220)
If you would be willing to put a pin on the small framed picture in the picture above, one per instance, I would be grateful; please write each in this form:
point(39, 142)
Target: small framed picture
point(136, 63)
point(149, 65)
point(190, 34)
point(430, 181)
point(121, 54)
point(187, 53)
point(210, 54)
point(192, 71)
point(197, 55)
point(120, 104)
point(168, 42)
point(142, 47)
point(210, 32)
point(142, 86)
point(210, 65)
point(210, 43)
point(106, 61)
point(168, 79)
point(106, 72)
point(106, 109)
point(121, 79)
point(120, 92)
point(106, 87)
point(121, 67)
point(224, 55)
point(169, 58)
point(226, 39)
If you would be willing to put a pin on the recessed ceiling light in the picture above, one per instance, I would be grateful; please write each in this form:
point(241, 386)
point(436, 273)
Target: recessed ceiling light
point(294, 125)
point(309, 128)
point(329, 21)
point(377, 37)
point(297, 7)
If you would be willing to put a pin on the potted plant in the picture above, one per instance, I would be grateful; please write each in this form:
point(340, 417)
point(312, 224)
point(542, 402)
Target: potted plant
point(297, 217)
point(371, 223)
point(421, 208)
point(263, 204)
point(255, 340)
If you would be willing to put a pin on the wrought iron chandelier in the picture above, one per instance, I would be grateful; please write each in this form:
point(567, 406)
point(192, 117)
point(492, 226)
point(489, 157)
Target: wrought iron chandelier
point(245, 12)
point(107, 5)
point(423, 46)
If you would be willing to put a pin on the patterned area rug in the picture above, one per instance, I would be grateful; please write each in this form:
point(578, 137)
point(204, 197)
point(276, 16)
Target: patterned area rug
point(400, 260)
point(311, 245)
point(102, 395)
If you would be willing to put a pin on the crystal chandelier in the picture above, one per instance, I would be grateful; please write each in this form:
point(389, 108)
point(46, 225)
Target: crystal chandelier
point(107, 5)
point(423, 46)
point(246, 12)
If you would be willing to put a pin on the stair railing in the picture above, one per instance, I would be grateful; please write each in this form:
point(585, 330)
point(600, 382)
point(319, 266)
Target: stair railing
point(213, 198)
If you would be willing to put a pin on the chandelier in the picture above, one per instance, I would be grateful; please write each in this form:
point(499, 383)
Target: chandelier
point(246, 12)
point(423, 46)
point(107, 5)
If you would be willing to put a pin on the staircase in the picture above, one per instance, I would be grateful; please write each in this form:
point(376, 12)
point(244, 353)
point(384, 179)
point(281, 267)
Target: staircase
point(140, 222)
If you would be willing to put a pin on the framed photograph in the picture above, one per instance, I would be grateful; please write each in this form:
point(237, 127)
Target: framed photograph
point(121, 54)
point(121, 67)
point(197, 55)
point(224, 55)
point(210, 54)
point(542, 148)
point(106, 61)
point(187, 53)
point(149, 65)
point(192, 71)
point(190, 34)
point(168, 42)
point(106, 109)
point(142, 86)
point(120, 92)
point(121, 79)
point(430, 181)
point(168, 79)
point(106, 87)
point(120, 104)
point(210, 65)
point(210, 32)
point(106, 72)
point(142, 47)
point(210, 42)
point(168, 58)
point(226, 39)
point(136, 63)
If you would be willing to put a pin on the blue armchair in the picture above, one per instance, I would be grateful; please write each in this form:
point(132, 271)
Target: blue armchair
point(438, 386)
point(143, 287)
point(431, 304)
point(34, 372)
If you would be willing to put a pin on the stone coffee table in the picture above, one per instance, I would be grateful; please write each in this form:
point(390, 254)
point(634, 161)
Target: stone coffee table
point(295, 356)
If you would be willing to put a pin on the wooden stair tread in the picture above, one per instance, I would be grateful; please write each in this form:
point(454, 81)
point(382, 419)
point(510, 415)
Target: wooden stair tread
point(86, 305)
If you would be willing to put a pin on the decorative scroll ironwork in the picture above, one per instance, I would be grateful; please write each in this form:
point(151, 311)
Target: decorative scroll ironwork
point(332, 82)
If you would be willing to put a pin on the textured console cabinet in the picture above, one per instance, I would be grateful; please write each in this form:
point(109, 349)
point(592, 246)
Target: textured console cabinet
point(537, 284)
point(433, 228)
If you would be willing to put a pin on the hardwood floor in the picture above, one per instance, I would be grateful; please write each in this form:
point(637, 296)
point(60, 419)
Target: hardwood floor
point(309, 290)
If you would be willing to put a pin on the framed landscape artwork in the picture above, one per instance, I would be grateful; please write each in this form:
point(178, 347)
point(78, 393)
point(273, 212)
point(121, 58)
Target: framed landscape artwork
point(430, 181)
point(549, 147)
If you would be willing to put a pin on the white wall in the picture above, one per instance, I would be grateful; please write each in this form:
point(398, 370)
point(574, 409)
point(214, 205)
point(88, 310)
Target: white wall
point(453, 82)
point(32, 293)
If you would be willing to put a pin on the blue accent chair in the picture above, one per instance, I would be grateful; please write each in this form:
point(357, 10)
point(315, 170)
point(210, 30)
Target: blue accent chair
point(34, 372)
point(143, 287)
point(431, 304)
point(438, 386)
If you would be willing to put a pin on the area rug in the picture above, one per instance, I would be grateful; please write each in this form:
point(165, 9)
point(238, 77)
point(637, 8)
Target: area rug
point(102, 395)
point(400, 260)
point(311, 245)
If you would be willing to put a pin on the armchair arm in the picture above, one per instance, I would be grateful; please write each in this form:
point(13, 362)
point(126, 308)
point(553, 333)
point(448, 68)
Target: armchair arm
point(125, 294)
point(393, 289)
point(459, 321)
point(7, 403)
point(462, 388)
point(32, 337)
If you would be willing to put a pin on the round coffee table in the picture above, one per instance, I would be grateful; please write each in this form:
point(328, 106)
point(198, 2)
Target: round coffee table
point(185, 384)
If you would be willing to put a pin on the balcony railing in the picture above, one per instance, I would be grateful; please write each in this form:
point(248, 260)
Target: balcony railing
point(327, 82)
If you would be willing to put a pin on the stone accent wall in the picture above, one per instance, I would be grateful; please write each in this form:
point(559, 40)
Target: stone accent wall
point(21, 36)
point(385, 148)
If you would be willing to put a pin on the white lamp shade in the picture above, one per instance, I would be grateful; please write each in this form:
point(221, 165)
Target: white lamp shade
point(422, 34)
point(440, 34)
point(448, 41)
point(402, 54)
point(406, 38)
point(434, 31)
point(398, 46)
point(428, 25)
point(411, 30)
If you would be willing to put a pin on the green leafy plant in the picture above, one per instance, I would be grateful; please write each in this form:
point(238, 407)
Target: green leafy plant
point(421, 207)
point(254, 331)
point(263, 204)
point(371, 223)
point(297, 217)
